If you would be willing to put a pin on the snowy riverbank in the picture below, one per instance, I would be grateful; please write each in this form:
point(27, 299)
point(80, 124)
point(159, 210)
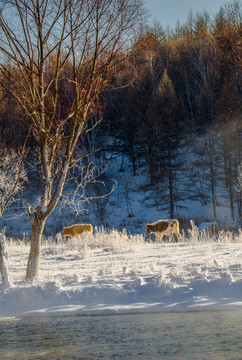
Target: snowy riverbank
point(111, 272)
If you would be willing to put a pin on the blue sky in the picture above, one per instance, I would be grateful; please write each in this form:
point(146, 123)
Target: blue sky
point(166, 12)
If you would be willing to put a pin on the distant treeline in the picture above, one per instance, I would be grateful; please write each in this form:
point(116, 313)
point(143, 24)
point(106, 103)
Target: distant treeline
point(181, 118)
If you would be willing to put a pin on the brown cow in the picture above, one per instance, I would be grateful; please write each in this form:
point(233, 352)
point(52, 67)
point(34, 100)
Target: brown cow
point(77, 229)
point(164, 227)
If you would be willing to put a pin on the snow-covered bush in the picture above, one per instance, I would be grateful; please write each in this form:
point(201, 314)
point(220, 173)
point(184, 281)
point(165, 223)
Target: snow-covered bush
point(206, 235)
point(12, 177)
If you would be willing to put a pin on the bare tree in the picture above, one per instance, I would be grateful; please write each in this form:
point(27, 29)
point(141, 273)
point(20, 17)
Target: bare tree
point(63, 56)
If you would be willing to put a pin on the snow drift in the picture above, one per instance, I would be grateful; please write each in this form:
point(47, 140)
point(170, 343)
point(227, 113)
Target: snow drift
point(113, 272)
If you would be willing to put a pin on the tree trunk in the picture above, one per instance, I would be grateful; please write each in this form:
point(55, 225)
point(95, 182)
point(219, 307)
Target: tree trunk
point(231, 186)
point(212, 174)
point(170, 175)
point(4, 262)
point(132, 148)
point(171, 194)
point(35, 246)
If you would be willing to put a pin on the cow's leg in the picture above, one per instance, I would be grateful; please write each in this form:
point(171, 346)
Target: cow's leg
point(159, 237)
point(170, 237)
point(178, 236)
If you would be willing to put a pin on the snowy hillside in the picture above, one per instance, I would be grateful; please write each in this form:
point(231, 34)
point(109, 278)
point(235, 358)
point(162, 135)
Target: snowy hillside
point(111, 272)
point(130, 206)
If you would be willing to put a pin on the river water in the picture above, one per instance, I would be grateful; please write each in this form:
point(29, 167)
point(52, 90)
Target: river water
point(211, 335)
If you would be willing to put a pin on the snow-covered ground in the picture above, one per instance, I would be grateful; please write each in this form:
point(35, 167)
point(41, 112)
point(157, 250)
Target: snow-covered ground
point(113, 272)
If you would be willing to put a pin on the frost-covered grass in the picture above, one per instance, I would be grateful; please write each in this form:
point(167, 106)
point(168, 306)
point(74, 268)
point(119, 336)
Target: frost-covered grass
point(117, 242)
point(113, 240)
point(194, 235)
point(115, 272)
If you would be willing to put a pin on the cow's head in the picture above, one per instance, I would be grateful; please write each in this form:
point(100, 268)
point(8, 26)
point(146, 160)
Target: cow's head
point(148, 229)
